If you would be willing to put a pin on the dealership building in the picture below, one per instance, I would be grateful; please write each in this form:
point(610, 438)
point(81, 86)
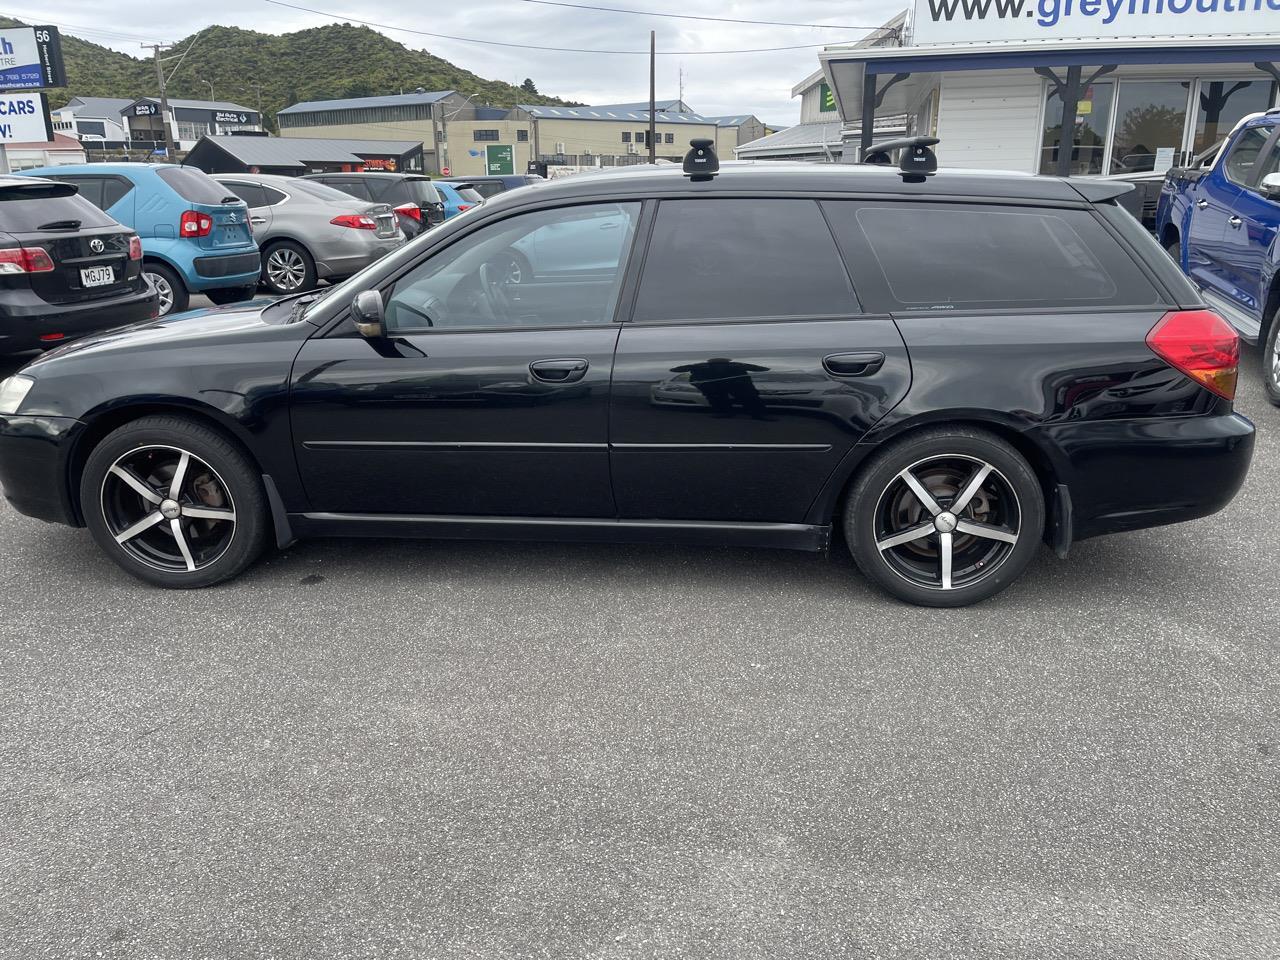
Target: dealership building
point(1139, 85)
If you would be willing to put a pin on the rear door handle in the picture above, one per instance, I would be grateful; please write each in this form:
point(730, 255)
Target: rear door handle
point(853, 364)
point(257, 219)
point(559, 371)
point(1201, 204)
point(1234, 221)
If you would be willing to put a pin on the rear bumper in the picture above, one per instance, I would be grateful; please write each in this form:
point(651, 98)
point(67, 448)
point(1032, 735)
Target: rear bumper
point(349, 255)
point(1131, 474)
point(34, 452)
point(227, 270)
point(22, 324)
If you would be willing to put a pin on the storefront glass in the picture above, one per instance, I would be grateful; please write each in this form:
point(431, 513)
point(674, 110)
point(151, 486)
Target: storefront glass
point(1150, 119)
point(1090, 140)
point(1222, 103)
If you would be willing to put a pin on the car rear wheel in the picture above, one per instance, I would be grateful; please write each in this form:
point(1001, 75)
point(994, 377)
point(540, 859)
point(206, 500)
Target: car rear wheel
point(288, 268)
point(1271, 361)
point(945, 518)
point(174, 503)
point(172, 292)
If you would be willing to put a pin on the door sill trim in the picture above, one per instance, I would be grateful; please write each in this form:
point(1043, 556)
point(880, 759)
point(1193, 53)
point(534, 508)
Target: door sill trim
point(787, 536)
point(1248, 328)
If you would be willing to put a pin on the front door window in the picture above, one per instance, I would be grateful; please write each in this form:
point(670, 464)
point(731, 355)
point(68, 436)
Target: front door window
point(1150, 119)
point(1221, 104)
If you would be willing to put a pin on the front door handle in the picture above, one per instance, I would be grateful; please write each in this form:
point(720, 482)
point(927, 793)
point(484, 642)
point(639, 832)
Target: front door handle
point(853, 364)
point(559, 371)
point(1234, 221)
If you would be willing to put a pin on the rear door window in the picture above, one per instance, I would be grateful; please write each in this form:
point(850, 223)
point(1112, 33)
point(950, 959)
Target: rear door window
point(740, 259)
point(194, 186)
point(250, 193)
point(909, 256)
point(90, 189)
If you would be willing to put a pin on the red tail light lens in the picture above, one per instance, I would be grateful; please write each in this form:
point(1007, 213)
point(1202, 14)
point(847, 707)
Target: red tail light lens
point(195, 224)
point(1200, 344)
point(25, 260)
point(410, 210)
point(355, 221)
point(463, 206)
point(135, 248)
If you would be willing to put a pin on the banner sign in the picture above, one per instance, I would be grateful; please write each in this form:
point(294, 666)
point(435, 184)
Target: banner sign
point(24, 118)
point(31, 58)
point(976, 21)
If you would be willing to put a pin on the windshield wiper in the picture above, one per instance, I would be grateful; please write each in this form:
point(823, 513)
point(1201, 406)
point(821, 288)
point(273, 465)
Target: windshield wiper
point(60, 225)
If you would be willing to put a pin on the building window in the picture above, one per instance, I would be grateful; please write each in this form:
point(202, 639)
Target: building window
point(640, 136)
point(670, 137)
point(1221, 104)
point(482, 135)
point(626, 136)
point(191, 131)
point(522, 136)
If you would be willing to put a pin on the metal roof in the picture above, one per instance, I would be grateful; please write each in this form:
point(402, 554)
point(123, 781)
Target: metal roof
point(299, 151)
point(356, 103)
point(671, 106)
point(736, 120)
point(611, 113)
point(195, 104)
point(815, 135)
point(97, 106)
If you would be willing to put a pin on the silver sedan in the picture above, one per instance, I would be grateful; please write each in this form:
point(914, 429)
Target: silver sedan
point(310, 232)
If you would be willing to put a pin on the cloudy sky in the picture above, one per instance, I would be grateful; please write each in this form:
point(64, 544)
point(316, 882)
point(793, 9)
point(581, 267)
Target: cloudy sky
point(758, 83)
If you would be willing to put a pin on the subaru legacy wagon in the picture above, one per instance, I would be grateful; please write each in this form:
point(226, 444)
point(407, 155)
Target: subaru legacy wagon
point(949, 370)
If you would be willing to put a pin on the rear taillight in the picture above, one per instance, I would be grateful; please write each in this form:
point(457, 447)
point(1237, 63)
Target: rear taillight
point(195, 224)
point(135, 248)
point(1200, 344)
point(356, 221)
point(25, 260)
point(410, 210)
point(463, 206)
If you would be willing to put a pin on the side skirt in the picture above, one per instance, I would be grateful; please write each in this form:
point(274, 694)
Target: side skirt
point(787, 536)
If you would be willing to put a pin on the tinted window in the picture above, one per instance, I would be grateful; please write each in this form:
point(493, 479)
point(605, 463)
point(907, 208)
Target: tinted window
point(545, 268)
point(272, 195)
point(355, 188)
point(192, 185)
point(114, 189)
point(469, 195)
point(423, 191)
point(935, 256)
point(321, 191)
point(25, 211)
point(726, 259)
point(1241, 163)
point(90, 189)
point(487, 188)
point(250, 193)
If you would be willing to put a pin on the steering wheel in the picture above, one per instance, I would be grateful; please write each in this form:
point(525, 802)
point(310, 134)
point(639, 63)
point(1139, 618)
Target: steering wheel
point(493, 287)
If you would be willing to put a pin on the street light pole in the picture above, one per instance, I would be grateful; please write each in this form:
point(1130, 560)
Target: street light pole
point(653, 103)
point(210, 86)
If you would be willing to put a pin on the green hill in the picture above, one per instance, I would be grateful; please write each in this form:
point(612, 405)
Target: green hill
point(339, 60)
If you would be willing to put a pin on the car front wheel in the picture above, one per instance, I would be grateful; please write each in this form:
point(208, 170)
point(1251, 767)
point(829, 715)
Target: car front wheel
point(1271, 361)
point(174, 503)
point(945, 518)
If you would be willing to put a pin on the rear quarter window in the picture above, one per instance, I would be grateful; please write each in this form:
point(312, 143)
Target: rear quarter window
point(194, 186)
point(921, 256)
point(424, 191)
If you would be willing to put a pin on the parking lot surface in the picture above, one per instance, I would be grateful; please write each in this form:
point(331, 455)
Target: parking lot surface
point(433, 749)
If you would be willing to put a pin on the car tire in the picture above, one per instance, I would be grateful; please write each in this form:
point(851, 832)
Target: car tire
point(1271, 360)
point(1174, 249)
point(897, 539)
point(225, 295)
point(172, 292)
point(208, 530)
point(287, 267)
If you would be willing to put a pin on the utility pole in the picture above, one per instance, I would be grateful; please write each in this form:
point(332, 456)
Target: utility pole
point(170, 150)
point(653, 101)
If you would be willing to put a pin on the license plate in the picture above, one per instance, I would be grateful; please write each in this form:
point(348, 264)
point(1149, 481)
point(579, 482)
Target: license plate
point(97, 276)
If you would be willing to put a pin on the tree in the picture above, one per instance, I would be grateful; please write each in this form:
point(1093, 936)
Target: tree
point(528, 86)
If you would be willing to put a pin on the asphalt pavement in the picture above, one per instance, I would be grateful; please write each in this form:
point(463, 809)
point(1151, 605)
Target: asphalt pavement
point(441, 750)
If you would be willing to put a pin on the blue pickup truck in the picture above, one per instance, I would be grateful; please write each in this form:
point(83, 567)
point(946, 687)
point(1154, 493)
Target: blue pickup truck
point(1220, 221)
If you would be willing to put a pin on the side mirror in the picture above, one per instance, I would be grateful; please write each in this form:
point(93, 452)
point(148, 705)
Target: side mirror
point(366, 310)
point(1270, 186)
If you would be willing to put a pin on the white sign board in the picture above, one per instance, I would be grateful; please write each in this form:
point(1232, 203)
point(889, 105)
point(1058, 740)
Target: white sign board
point(24, 118)
point(977, 21)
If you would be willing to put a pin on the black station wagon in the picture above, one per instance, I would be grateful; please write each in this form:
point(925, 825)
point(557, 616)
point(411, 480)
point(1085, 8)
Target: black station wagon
point(951, 370)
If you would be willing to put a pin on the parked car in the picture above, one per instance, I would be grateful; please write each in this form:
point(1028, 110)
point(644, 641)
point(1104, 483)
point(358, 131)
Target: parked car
point(66, 268)
point(417, 202)
point(1220, 223)
point(457, 197)
point(195, 234)
point(309, 232)
point(968, 366)
point(491, 186)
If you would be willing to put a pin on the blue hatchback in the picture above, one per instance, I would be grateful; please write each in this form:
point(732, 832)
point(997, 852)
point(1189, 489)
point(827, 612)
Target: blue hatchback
point(195, 233)
point(457, 197)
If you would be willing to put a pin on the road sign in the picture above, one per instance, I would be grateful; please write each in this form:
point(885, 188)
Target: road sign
point(31, 58)
point(499, 160)
point(24, 118)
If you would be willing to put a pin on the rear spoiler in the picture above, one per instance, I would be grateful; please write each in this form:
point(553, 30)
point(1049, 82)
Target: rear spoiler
point(1100, 191)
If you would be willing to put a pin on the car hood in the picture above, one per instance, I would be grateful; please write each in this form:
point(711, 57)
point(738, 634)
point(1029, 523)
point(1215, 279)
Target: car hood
point(230, 322)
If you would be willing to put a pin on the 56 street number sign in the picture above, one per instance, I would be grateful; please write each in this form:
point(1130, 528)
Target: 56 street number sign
point(31, 58)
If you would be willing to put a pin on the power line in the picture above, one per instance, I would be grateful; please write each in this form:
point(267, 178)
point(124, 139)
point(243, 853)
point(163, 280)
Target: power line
point(689, 16)
point(534, 46)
